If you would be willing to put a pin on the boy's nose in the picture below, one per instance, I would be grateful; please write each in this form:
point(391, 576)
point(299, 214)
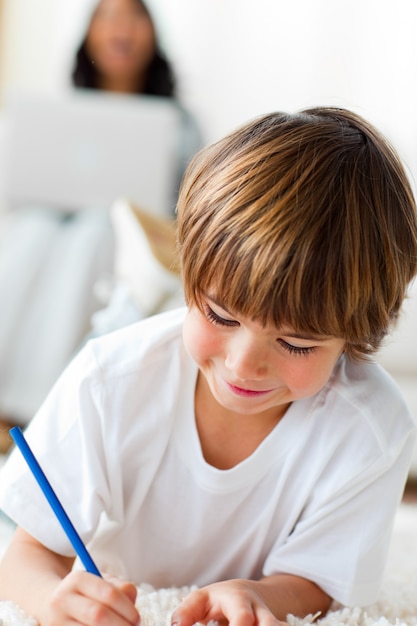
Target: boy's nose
point(247, 359)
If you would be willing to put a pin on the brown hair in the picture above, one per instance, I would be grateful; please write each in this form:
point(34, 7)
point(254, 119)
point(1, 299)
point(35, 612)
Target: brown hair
point(306, 219)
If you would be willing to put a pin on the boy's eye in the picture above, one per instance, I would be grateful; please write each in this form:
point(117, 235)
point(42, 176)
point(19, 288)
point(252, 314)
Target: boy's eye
point(215, 318)
point(301, 350)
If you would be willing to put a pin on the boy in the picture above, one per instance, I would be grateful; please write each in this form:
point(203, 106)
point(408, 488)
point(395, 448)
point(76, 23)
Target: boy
point(247, 444)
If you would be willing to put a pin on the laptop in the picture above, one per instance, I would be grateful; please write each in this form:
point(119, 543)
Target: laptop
point(84, 149)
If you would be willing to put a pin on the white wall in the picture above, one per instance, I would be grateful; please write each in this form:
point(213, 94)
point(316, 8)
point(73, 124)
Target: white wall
point(237, 58)
point(28, 43)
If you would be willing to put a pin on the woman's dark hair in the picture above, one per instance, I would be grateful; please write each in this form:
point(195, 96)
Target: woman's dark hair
point(159, 81)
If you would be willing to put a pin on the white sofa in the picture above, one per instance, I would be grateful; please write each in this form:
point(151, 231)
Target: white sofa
point(399, 357)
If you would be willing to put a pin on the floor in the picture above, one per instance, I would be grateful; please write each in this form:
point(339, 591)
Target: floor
point(410, 492)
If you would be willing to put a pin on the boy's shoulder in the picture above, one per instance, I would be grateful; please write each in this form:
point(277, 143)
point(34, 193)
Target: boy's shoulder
point(361, 379)
point(152, 338)
point(154, 328)
point(367, 390)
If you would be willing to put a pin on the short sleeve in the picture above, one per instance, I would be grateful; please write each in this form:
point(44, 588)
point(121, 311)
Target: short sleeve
point(58, 438)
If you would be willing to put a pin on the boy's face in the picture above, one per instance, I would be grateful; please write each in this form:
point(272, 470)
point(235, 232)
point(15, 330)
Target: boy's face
point(250, 369)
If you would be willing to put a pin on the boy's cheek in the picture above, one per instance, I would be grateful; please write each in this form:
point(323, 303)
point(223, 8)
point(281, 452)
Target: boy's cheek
point(310, 379)
point(199, 345)
point(197, 338)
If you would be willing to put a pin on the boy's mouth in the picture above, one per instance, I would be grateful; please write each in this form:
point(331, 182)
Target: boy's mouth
point(248, 393)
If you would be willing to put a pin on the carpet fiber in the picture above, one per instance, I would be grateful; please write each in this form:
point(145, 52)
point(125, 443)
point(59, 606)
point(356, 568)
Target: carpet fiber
point(397, 604)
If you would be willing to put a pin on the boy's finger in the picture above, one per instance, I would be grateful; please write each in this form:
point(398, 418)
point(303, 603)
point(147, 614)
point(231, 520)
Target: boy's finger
point(129, 589)
point(119, 596)
point(192, 609)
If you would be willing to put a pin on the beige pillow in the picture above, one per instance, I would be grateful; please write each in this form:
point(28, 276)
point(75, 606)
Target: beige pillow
point(146, 258)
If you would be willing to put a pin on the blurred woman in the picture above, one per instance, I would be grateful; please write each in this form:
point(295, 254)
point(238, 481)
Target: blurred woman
point(120, 52)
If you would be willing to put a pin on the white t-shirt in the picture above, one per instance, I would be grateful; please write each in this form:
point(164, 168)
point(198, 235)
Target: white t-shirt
point(117, 439)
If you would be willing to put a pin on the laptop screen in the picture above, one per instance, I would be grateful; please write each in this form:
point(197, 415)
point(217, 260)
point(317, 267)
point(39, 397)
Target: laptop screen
point(85, 149)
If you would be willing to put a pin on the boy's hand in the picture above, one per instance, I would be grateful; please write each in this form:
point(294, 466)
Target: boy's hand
point(83, 598)
point(235, 602)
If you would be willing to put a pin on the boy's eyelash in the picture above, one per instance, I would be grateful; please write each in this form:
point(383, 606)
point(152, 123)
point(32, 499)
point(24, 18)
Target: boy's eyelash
point(296, 349)
point(216, 319)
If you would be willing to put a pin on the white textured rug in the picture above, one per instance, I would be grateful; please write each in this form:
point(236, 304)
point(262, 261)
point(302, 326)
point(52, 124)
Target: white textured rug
point(397, 604)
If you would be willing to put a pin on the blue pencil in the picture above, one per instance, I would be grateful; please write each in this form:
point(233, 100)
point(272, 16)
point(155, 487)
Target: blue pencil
point(79, 547)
